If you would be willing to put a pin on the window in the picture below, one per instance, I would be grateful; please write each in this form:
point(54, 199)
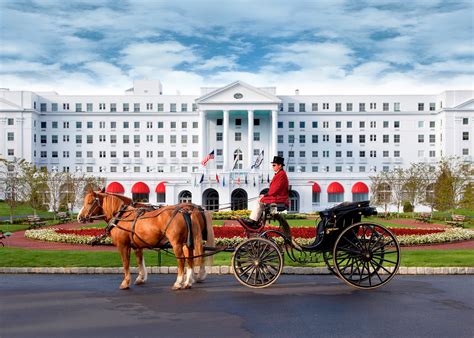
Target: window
point(432, 106)
point(421, 124)
point(136, 107)
point(373, 138)
point(421, 138)
point(195, 107)
point(396, 138)
point(126, 124)
point(315, 169)
point(315, 153)
point(65, 106)
point(90, 124)
point(432, 138)
point(338, 124)
point(280, 138)
point(396, 153)
point(349, 153)
point(432, 124)
point(338, 153)
point(349, 124)
point(361, 124)
point(314, 138)
point(315, 124)
point(126, 107)
point(113, 139)
point(325, 124)
point(11, 137)
point(173, 125)
point(421, 106)
point(373, 124)
point(465, 135)
point(113, 125)
point(291, 153)
point(385, 106)
point(302, 153)
point(465, 151)
point(302, 124)
point(373, 105)
point(238, 136)
point(361, 138)
point(314, 107)
point(325, 153)
point(349, 138)
point(385, 138)
point(54, 154)
point(338, 107)
point(291, 107)
point(302, 139)
point(136, 125)
point(385, 153)
point(54, 139)
point(338, 138)
point(256, 136)
point(126, 139)
point(160, 125)
point(101, 106)
point(432, 153)
point(291, 124)
point(195, 138)
point(195, 124)
point(373, 153)
point(43, 107)
point(102, 124)
point(184, 107)
point(302, 107)
point(113, 107)
point(78, 139)
point(136, 139)
point(361, 153)
point(465, 121)
point(385, 124)
point(89, 139)
point(349, 106)
point(160, 107)
point(326, 138)
point(325, 106)
point(43, 139)
point(160, 138)
point(65, 138)
point(173, 139)
point(280, 124)
point(43, 125)
point(361, 107)
point(54, 107)
point(396, 124)
point(218, 136)
point(238, 122)
point(149, 138)
point(291, 139)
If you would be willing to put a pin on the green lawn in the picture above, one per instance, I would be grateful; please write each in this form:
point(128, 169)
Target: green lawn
point(16, 257)
point(21, 210)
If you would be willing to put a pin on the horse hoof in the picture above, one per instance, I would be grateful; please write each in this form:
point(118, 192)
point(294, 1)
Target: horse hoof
point(139, 282)
point(176, 287)
point(124, 287)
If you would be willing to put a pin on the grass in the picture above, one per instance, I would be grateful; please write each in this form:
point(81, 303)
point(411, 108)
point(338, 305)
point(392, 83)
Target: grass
point(17, 257)
point(21, 210)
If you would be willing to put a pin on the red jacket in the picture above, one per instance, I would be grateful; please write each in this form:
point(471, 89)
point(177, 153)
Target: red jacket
point(278, 192)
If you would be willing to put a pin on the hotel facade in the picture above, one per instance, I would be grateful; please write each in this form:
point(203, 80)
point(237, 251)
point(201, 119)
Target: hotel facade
point(151, 145)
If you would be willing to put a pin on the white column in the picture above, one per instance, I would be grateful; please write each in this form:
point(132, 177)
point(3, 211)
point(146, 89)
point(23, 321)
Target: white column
point(225, 136)
point(274, 151)
point(250, 139)
point(203, 135)
point(3, 139)
point(19, 134)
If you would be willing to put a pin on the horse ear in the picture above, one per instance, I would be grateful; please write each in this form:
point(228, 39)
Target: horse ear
point(103, 190)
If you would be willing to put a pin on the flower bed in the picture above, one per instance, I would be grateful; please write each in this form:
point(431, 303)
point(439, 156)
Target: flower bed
point(233, 235)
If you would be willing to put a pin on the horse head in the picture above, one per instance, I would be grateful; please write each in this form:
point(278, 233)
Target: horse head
point(91, 208)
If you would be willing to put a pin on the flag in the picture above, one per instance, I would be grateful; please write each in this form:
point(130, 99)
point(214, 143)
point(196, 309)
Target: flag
point(258, 161)
point(223, 181)
point(238, 180)
point(246, 179)
point(202, 179)
point(194, 180)
point(236, 162)
point(209, 156)
point(262, 179)
point(217, 178)
point(254, 182)
point(268, 178)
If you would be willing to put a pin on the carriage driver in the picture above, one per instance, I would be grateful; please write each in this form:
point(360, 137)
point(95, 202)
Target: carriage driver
point(277, 193)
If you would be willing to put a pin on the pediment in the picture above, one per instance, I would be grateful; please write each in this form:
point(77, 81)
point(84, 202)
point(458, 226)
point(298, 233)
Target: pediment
point(236, 93)
point(468, 105)
point(7, 105)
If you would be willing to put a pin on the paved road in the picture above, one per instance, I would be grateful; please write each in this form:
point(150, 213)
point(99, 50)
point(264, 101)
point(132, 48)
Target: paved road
point(296, 306)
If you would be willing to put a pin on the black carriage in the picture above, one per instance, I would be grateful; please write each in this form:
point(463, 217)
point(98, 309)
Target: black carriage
point(364, 255)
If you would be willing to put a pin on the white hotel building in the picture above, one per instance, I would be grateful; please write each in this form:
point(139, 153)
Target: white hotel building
point(151, 144)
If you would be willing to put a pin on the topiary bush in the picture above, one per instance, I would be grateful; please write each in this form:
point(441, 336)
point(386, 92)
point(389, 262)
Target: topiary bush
point(407, 206)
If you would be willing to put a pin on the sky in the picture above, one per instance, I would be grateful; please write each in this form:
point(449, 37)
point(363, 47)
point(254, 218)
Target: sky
point(319, 47)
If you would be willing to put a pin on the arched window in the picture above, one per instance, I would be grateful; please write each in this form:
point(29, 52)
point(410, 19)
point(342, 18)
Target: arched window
point(238, 159)
point(185, 197)
point(140, 192)
point(210, 199)
point(335, 192)
point(294, 201)
point(360, 192)
point(316, 194)
point(239, 199)
point(161, 192)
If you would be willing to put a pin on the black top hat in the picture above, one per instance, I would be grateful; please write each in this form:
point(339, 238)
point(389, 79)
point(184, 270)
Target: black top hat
point(278, 160)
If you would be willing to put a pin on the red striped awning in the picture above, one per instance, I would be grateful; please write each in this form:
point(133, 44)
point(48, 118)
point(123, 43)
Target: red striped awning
point(161, 188)
point(335, 188)
point(316, 187)
point(140, 188)
point(115, 188)
point(360, 188)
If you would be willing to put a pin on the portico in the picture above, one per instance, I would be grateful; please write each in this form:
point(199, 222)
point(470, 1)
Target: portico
point(238, 121)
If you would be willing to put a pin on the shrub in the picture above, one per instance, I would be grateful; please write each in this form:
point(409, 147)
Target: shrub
point(407, 206)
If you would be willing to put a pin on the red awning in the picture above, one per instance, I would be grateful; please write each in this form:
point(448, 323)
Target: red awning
point(316, 187)
point(140, 188)
point(360, 188)
point(161, 188)
point(115, 188)
point(335, 188)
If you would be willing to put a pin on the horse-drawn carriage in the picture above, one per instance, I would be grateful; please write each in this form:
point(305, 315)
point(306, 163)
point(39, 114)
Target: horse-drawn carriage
point(364, 255)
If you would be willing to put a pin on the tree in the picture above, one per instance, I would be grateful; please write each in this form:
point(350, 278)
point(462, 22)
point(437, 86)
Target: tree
point(444, 193)
point(11, 182)
point(396, 177)
point(467, 200)
point(55, 182)
point(82, 183)
point(381, 190)
point(416, 181)
point(34, 181)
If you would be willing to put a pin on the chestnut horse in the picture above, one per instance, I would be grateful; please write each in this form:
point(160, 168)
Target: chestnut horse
point(141, 228)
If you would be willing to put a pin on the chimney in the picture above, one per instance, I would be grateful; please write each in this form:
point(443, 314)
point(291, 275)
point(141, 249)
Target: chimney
point(297, 92)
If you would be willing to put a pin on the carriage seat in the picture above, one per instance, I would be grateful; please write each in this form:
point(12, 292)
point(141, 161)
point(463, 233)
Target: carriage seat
point(277, 207)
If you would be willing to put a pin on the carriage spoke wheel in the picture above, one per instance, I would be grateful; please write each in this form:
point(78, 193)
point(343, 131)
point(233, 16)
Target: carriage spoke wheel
point(366, 255)
point(327, 256)
point(257, 262)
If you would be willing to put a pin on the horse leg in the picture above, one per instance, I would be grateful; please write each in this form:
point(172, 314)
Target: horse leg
point(211, 243)
point(178, 252)
point(125, 254)
point(188, 252)
point(142, 273)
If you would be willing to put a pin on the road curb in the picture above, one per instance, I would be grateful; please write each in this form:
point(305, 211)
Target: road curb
point(223, 270)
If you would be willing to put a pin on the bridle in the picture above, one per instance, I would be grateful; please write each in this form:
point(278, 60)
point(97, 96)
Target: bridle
point(96, 204)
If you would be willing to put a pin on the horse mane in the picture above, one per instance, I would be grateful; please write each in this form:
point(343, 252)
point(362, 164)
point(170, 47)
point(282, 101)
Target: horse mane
point(113, 203)
point(125, 199)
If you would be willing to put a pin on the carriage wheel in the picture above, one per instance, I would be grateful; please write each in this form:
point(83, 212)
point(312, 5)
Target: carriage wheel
point(257, 262)
point(366, 255)
point(327, 256)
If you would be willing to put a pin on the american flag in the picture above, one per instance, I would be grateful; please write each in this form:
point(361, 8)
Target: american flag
point(209, 156)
